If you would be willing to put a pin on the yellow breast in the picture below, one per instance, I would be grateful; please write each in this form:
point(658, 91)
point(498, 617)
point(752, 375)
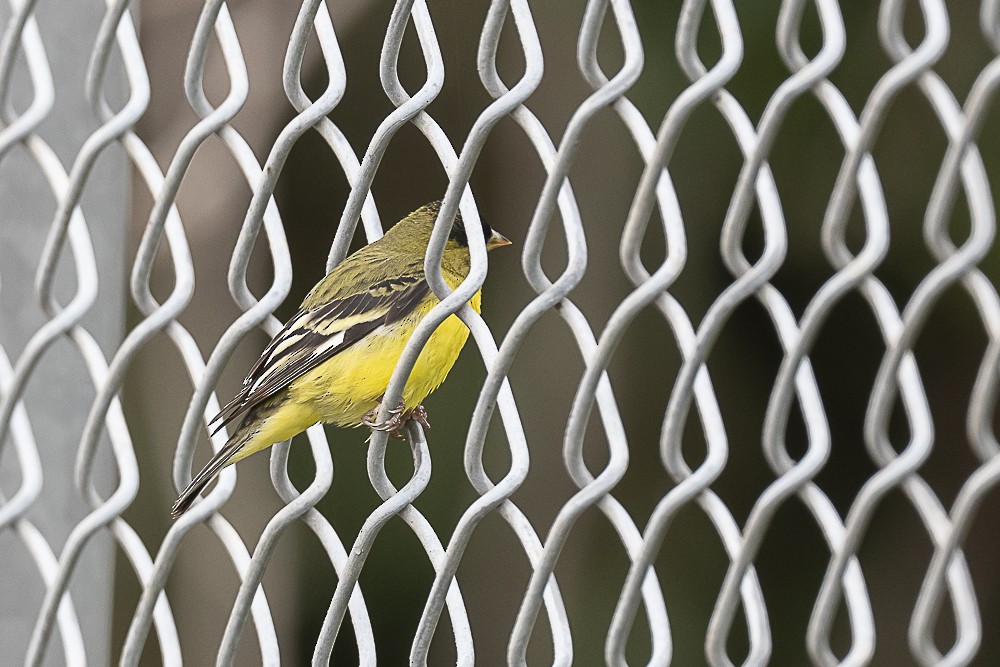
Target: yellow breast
point(351, 383)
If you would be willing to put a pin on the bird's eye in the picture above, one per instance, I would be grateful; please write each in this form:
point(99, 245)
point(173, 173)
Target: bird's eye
point(461, 237)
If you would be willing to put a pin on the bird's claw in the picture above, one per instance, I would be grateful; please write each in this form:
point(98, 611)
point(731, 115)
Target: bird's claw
point(397, 420)
point(419, 415)
point(394, 421)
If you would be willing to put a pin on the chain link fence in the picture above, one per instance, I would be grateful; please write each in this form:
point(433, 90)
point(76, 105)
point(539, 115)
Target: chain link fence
point(736, 406)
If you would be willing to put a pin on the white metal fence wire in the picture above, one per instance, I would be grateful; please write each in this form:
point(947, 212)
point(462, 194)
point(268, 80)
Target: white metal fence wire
point(56, 603)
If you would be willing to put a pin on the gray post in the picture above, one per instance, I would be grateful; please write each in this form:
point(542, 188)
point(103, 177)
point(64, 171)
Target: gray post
point(59, 390)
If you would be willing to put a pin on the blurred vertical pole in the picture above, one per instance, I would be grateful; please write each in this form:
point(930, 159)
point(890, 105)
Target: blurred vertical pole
point(59, 390)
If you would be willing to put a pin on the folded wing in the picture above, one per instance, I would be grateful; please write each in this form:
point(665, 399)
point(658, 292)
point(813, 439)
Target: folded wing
point(315, 334)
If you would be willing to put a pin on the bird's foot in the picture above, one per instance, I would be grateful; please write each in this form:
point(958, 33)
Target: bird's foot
point(393, 425)
point(419, 415)
point(394, 421)
point(399, 416)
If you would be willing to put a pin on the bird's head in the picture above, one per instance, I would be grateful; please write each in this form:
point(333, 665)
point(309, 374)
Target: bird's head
point(419, 225)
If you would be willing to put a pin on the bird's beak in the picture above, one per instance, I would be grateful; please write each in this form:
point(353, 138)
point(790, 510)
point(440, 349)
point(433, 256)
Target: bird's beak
point(496, 240)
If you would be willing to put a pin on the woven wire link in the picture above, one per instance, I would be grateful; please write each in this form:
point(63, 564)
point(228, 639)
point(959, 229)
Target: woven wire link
point(693, 485)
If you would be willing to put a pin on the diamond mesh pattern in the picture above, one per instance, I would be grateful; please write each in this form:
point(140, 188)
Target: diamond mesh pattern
point(855, 240)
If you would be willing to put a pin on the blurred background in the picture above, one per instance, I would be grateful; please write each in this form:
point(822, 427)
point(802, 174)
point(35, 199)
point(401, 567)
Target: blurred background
point(507, 181)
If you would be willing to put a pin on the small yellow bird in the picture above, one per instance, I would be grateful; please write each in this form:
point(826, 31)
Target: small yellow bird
point(333, 360)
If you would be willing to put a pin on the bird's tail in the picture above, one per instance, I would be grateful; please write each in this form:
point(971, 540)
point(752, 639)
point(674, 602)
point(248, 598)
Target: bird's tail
point(222, 458)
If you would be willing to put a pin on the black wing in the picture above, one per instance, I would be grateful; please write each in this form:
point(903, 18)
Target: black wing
point(314, 335)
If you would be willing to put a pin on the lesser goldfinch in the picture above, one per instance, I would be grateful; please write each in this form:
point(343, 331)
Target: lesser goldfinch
point(333, 360)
